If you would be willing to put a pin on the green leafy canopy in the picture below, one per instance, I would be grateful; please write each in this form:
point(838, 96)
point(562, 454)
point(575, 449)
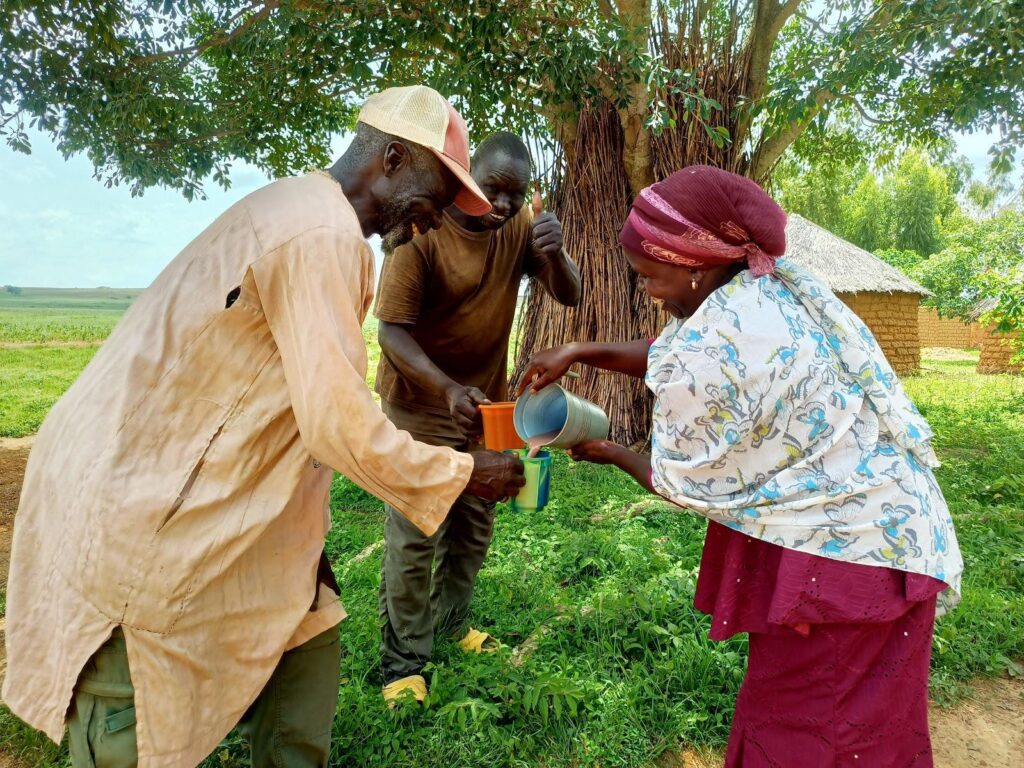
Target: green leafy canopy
point(172, 91)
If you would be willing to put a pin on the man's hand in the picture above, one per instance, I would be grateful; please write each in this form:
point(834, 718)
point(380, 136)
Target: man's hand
point(547, 367)
point(546, 237)
point(547, 241)
point(496, 476)
point(462, 404)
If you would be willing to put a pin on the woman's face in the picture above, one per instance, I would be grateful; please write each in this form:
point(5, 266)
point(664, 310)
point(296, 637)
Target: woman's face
point(671, 286)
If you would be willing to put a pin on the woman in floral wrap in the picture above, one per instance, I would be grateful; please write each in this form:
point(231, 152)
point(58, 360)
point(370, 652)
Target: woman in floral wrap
point(778, 418)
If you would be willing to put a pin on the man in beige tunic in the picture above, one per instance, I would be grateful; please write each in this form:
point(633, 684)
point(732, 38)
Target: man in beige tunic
point(174, 507)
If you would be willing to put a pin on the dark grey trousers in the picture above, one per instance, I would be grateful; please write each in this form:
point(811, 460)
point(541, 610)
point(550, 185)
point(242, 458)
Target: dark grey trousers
point(418, 599)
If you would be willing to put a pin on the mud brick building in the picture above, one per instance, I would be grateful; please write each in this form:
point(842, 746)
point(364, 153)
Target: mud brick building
point(950, 332)
point(997, 349)
point(882, 296)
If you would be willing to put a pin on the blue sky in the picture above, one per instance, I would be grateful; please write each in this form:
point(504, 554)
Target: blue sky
point(62, 228)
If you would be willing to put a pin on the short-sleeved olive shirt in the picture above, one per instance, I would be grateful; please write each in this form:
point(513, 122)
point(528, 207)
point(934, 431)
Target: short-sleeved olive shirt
point(457, 291)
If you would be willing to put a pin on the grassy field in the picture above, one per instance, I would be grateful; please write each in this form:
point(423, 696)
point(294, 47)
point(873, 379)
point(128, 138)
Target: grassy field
point(599, 586)
point(45, 315)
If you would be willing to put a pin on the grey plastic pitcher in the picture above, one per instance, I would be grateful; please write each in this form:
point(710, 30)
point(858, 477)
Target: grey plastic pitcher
point(569, 419)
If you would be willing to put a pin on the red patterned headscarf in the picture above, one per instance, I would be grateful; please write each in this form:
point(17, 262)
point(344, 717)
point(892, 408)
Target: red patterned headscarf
point(702, 217)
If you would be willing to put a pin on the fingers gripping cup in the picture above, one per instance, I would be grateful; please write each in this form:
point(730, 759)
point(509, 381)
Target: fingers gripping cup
point(535, 494)
point(556, 418)
point(499, 428)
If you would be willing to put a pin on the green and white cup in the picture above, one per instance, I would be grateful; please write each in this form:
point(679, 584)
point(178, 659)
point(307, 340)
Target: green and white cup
point(535, 494)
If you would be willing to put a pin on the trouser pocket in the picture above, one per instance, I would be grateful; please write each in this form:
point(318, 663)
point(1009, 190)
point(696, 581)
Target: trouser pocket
point(101, 723)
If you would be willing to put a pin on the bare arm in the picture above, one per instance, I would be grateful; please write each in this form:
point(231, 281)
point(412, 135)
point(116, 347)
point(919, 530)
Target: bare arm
point(549, 366)
point(561, 279)
point(552, 266)
point(636, 465)
point(412, 362)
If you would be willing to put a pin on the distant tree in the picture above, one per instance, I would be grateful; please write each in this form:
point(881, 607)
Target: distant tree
point(917, 197)
point(986, 198)
point(905, 261)
point(982, 260)
point(900, 207)
point(864, 223)
point(13, 290)
point(822, 191)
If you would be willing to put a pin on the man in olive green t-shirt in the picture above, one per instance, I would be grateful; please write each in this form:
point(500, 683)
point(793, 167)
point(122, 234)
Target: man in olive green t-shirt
point(446, 303)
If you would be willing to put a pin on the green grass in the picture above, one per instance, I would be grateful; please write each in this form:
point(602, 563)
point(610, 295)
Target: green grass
point(979, 436)
point(32, 378)
point(623, 668)
point(372, 349)
point(31, 381)
point(41, 315)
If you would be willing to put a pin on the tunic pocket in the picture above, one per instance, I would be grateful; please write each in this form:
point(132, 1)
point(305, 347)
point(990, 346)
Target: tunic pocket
point(186, 488)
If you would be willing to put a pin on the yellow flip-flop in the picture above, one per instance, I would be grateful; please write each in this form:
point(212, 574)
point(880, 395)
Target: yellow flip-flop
point(474, 641)
point(413, 685)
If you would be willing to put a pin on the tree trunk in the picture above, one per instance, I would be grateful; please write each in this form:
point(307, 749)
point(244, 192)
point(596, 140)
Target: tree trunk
point(591, 198)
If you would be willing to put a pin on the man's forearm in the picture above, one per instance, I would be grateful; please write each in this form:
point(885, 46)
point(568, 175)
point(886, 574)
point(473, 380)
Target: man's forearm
point(561, 278)
point(412, 362)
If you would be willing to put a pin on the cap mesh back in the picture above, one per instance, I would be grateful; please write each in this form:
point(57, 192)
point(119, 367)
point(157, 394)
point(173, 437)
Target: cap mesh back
point(415, 112)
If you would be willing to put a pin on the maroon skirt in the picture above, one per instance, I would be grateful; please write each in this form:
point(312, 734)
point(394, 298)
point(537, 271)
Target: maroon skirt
point(839, 654)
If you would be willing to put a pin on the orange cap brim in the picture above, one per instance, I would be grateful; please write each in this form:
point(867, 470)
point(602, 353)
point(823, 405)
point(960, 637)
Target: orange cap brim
point(469, 199)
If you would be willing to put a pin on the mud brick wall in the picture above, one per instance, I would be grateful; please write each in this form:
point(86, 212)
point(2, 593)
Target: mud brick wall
point(936, 331)
point(996, 351)
point(892, 318)
point(977, 334)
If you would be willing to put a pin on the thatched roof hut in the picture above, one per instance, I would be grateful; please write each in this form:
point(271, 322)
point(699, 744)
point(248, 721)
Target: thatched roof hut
point(882, 296)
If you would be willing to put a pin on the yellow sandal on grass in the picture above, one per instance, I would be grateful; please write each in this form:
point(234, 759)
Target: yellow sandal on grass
point(413, 685)
point(476, 641)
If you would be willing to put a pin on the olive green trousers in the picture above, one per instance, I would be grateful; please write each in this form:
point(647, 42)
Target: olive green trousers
point(288, 726)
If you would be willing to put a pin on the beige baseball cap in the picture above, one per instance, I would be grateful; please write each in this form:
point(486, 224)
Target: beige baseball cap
point(422, 115)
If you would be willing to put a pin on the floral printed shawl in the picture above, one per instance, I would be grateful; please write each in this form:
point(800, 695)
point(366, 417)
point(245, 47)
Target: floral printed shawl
point(778, 415)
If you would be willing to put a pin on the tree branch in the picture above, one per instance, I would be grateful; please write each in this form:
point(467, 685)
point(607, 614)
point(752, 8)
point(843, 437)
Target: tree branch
point(216, 41)
point(16, 113)
point(637, 152)
point(769, 18)
point(812, 21)
point(864, 113)
point(771, 149)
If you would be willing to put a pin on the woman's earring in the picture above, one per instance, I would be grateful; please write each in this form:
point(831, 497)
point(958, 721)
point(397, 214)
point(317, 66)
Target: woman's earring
point(693, 281)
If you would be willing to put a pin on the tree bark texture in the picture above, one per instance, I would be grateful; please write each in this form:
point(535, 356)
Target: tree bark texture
point(591, 197)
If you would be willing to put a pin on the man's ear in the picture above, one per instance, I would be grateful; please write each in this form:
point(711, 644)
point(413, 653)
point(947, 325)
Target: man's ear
point(396, 156)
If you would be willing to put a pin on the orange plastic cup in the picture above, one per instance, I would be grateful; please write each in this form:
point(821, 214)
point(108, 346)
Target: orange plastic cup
point(499, 429)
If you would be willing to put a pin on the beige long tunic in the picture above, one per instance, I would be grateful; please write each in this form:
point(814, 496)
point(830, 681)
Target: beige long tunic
point(179, 489)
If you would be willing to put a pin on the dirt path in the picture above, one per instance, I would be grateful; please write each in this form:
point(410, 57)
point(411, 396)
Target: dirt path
point(13, 455)
point(984, 731)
